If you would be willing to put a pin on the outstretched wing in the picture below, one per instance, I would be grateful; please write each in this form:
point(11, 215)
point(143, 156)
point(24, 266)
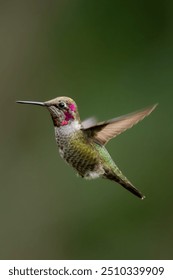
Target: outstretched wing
point(104, 131)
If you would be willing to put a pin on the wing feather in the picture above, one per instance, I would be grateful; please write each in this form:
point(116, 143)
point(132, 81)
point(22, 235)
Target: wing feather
point(104, 131)
point(90, 122)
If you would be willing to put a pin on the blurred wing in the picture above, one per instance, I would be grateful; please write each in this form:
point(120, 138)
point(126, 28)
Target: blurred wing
point(90, 122)
point(103, 132)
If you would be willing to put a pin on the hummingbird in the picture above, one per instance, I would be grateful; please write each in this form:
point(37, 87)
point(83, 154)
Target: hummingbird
point(82, 144)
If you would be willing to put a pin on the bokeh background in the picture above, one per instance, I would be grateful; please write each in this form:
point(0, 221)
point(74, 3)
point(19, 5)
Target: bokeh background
point(112, 57)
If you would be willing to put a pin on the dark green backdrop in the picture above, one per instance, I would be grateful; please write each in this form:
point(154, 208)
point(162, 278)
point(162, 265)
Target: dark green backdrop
point(112, 57)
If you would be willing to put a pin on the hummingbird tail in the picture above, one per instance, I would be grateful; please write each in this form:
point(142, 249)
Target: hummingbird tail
point(125, 183)
point(128, 186)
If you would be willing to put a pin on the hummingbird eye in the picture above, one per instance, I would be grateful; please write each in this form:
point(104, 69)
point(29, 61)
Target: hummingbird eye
point(61, 105)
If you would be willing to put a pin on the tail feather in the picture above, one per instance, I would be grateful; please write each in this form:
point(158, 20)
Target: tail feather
point(123, 181)
point(128, 186)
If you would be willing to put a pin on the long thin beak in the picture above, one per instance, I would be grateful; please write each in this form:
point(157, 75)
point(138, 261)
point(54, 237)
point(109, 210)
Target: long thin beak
point(31, 102)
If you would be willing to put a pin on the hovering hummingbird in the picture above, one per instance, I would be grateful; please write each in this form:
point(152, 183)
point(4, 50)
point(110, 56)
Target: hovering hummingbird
point(82, 144)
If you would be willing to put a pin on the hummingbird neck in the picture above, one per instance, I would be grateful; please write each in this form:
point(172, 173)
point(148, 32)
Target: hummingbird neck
point(64, 121)
point(65, 131)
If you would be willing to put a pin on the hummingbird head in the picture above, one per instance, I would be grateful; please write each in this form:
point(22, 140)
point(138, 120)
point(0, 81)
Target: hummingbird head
point(63, 110)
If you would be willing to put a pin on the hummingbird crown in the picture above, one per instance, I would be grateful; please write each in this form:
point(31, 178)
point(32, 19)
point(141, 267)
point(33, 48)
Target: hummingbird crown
point(63, 110)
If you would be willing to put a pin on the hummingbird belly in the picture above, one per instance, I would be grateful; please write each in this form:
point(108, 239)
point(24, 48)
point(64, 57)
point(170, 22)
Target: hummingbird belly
point(84, 159)
point(81, 154)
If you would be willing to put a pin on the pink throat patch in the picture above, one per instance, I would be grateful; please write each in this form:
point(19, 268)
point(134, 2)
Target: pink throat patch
point(64, 123)
point(68, 114)
point(72, 107)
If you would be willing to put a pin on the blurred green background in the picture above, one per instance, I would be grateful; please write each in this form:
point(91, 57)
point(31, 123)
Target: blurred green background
point(112, 58)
